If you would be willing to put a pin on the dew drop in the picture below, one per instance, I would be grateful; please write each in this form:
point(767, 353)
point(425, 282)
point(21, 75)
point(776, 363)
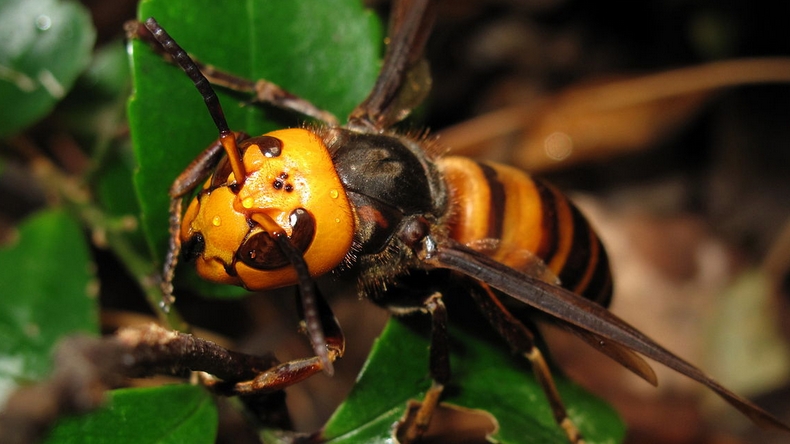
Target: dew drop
point(43, 22)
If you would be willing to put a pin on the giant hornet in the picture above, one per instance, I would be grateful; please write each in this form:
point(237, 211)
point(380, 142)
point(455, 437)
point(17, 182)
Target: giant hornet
point(286, 207)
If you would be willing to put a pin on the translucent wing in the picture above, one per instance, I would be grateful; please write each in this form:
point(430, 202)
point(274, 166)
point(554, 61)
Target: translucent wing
point(404, 80)
point(614, 350)
point(528, 262)
point(533, 266)
point(579, 313)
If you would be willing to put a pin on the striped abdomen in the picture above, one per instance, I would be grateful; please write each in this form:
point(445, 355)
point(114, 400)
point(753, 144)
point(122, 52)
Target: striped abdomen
point(492, 201)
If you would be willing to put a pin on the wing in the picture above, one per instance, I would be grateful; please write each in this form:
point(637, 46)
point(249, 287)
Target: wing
point(533, 266)
point(580, 313)
point(404, 80)
point(623, 355)
point(519, 259)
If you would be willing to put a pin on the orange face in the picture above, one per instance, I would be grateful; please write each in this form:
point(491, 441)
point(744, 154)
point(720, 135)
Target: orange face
point(295, 186)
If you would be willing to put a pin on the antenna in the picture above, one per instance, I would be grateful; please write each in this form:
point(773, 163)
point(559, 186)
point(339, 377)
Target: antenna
point(226, 136)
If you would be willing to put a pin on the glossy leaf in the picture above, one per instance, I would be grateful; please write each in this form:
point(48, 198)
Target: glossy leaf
point(296, 44)
point(48, 291)
point(46, 45)
point(167, 414)
point(485, 377)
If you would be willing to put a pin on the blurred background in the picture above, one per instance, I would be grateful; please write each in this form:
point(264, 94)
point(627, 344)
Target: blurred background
point(682, 164)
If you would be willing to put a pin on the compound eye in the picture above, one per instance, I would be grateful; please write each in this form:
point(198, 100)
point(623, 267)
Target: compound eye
point(221, 173)
point(261, 252)
point(268, 145)
point(193, 247)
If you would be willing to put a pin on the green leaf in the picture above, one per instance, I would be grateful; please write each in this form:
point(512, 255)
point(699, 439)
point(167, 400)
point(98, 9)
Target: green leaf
point(296, 44)
point(485, 377)
point(46, 45)
point(49, 291)
point(167, 414)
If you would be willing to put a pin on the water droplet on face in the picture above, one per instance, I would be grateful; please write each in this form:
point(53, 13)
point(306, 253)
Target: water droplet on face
point(247, 203)
point(334, 194)
point(217, 221)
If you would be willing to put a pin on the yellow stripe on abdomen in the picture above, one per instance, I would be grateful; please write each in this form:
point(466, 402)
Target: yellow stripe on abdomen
point(492, 201)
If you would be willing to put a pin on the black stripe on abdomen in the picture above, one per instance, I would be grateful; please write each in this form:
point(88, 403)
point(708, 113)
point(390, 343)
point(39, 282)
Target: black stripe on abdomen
point(549, 241)
point(579, 256)
point(599, 288)
point(496, 214)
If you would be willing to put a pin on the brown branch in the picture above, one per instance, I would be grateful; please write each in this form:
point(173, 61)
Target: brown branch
point(86, 367)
